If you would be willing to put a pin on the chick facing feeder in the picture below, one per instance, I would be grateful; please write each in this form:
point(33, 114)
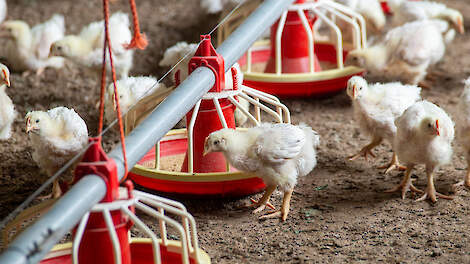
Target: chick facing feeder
point(177, 164)
point(103, 235)
point(294, 62)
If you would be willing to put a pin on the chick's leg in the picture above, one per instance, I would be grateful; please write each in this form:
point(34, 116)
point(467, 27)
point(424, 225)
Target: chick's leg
point(405, 185)
point(367, 150)
point(264, 201)
point(466, 181)
point(394, 164)
point(284, 209)
point(430, 190)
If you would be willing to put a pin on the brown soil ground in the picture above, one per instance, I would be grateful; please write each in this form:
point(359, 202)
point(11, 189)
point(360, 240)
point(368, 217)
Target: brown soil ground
point(339, 212)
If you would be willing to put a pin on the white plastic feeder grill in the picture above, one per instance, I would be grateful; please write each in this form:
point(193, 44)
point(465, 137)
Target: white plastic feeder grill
point(177, 164)
point(295, 62)
point(118, 216)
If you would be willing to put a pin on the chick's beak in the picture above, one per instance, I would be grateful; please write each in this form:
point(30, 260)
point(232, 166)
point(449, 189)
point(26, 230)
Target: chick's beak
point(460, 26)
point(29, 127)
point(6, 78)
point(354, 91)
point(207, 148)
point(437, 128)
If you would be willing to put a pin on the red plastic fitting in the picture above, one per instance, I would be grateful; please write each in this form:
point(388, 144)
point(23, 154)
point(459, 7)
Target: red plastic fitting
point(207, 56)
point(95, 161)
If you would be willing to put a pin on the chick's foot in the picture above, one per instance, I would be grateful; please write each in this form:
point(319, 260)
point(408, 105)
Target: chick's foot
point(405, 185)
point(432, 195)
point(465, 183)
point(284, 209)
point(394, 164)
point(264, 201)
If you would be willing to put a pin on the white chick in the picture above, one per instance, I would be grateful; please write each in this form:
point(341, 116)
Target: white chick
point(130, 91)
point(376, 107)
point(7, 109)
point(176, 52)
point(404, 54)
point(371, 10)
point(29, 47)
point(463, 126)
point(408, 11)
point(277, 153)
point(216, 6)
point(86, 48)
point(56, 136)
point(3, 10)
point(424, 136)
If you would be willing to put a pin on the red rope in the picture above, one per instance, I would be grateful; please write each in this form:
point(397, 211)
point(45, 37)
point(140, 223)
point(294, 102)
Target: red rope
point(139, 40)
point(107, 45)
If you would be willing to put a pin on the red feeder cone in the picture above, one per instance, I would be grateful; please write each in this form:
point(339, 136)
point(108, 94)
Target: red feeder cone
point(96, 246)
point(207, 120)
point(294, 45)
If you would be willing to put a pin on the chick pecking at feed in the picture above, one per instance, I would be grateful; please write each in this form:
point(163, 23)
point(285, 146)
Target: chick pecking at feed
point(277, 153)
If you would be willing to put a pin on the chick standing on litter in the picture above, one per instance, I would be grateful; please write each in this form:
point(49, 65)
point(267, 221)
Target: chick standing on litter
point(404, 54)
point(176, 52)
point(405, 11)
point(7, 109)
point(56, 137)
point(376, 107)
point(28, 48)
point(277, 153)
point(130, 90)
point(86, 48)
point(424, 136)
point(463, 129)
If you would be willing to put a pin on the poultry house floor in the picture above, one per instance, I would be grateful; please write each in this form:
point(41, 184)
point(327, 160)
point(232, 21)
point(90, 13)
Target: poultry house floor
point(339, 212)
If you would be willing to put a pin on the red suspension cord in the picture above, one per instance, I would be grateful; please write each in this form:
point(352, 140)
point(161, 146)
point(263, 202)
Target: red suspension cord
point(139, 40)
point(107, 45)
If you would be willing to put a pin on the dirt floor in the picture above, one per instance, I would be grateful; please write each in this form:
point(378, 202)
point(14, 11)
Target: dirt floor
point(339, 212)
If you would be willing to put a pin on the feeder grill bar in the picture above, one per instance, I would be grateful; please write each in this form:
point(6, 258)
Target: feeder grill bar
point(36, 241)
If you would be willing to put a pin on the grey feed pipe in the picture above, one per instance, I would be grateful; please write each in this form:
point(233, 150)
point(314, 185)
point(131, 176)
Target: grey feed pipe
point(36, 241)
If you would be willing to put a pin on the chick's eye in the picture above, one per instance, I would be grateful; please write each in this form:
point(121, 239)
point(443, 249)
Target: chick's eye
point(37, 121)
point(59, 47)
point(429, 125)
point(216, 142)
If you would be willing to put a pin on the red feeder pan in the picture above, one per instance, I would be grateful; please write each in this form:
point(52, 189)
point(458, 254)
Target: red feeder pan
point(294, 63)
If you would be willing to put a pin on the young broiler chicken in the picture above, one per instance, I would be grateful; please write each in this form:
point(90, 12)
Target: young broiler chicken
point(277, 153)
point(7, 109)
point(424, 136)
point(372, 12)
point(405, 11)
point(86, 48)
point(176, 52)
point(28, 48)
point(131, 90)
point(463, 128)
point(56, 137)
point(404, 54)
point(376, 107)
